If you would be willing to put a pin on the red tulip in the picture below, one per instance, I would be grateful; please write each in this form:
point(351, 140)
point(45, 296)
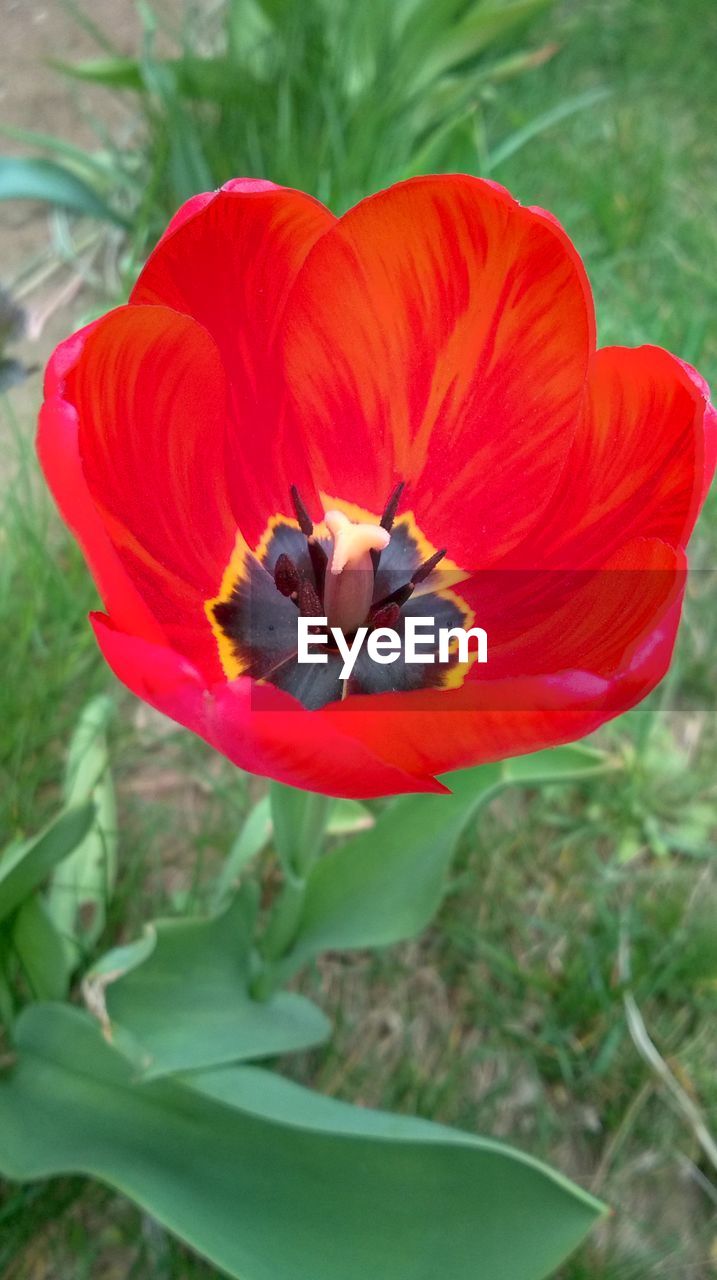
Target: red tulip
point(429, 358)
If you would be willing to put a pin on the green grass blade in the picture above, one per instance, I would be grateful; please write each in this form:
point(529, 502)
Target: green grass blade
point(542, 122)
point(27, 179)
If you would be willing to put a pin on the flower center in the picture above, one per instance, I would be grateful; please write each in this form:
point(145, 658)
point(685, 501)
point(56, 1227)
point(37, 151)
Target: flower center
point(355, 571)
point(342, 586)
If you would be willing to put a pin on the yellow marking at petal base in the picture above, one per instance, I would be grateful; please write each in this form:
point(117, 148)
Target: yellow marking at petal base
point(234, 573)
point(454, 677)
point(450, 572)
point(263, 544)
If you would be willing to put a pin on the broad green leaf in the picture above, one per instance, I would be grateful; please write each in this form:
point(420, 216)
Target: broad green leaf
point(24, 866)
point(39, 948)
point(271, 1183)
point(36, 179)
point(187, 1005)
point(575, 763)
point(82, 886)
point(7, 1001)
point(386, 884)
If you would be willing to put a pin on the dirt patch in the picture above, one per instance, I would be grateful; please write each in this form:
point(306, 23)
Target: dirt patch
point(35, 97)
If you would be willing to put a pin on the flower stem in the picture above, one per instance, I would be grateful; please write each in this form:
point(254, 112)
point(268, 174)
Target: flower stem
point(299, 819)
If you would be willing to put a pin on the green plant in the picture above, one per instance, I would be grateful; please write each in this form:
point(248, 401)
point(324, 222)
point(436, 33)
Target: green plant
point(329, 96)
point(155, 1060)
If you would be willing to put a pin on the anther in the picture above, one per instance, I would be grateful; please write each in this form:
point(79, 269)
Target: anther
point(399, 597)
point(388, 517)
point(309, 604)
point(389, 513)
point(304, 520)
point(387, 616)
point(286, 576)
point(427, 567)
point(319, 562)
point(402, 594)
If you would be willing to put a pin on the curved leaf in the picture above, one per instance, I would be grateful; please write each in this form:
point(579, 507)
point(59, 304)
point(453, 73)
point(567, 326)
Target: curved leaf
point(82, 886)
point(272, 1183)
point(27, 179)
point(387, 883)
point(24, 866)
point(39, 948)
point(186, 1004)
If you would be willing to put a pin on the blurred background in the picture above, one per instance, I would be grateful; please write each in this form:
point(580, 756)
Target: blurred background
point(509, 1016)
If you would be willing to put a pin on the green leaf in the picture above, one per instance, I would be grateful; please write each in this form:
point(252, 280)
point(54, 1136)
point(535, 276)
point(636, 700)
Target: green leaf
point(299, 819)
point(539, 124)
point(462, 41)
point(110, 72)
point(575, 763)
point(12, 373)
point(253, 838)
point(27, 179)
point(24, 866)
point(272, 1183)
point(387, 883)
point(187, 1005)
point(39, 948)
point(97, 164)
point(346, 817)
point(82, 886)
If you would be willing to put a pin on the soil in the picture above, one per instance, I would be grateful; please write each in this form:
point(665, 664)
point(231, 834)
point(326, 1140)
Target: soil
point(35, 97)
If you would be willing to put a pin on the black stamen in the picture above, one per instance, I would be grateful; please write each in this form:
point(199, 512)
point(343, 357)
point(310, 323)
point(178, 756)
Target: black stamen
point(388, 517)
point(309, 604)
point(286, 576)
point(427, 567)
point(386, 616)
point(304, 519)
point(389, 514)
point(319, 563)
point(398, 597)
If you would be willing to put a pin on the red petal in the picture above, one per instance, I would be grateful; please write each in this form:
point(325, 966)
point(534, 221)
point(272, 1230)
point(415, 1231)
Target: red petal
point(58, 449)
point(637, 467)
point(150, 393)
point(441, 334)
point(544, 621)
point(195, 204)
point(258, 728)
point(231, 265)
point(710, 426)
point(442, 730)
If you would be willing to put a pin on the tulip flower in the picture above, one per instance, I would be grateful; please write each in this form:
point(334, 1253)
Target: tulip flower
point(396, 414)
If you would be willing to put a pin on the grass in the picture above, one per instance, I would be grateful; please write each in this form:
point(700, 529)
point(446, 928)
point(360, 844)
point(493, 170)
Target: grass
point(508, 1017)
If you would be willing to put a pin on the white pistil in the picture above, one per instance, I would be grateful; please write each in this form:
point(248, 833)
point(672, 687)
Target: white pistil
point(348, 590)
